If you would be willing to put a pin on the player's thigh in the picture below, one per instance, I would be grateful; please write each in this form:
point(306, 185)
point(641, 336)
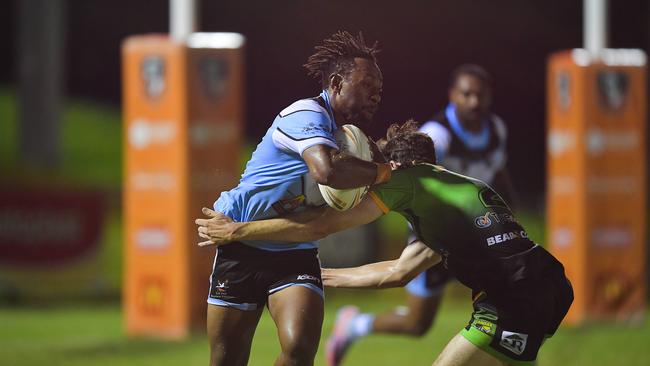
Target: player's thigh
point(461, 352)
point(230, 329)
point(298, 314)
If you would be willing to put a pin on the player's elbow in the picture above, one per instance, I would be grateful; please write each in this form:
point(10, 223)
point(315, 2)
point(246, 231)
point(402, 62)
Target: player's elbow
point(401, 282)
point(402, 277)
point(323, 175)
point(396, 278)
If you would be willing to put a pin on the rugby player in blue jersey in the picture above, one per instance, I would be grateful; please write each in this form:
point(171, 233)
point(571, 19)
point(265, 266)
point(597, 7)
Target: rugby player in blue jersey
point(520, 293)
point(298, 148)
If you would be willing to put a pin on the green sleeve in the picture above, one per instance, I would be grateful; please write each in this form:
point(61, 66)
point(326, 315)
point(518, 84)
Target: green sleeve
point(396, 194)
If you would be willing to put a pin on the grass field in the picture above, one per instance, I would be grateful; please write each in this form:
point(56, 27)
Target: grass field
point(92, 334)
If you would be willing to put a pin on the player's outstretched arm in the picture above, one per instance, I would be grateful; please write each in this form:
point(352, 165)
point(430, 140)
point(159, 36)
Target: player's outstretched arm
point(415, 258)
point(306, 226)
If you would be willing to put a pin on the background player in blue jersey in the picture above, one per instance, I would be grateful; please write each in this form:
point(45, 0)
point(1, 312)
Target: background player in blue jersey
point(469, 140)
point(298, 148)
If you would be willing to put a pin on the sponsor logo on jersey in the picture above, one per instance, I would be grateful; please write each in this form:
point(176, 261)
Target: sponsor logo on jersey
point(306, 277)
point(486, 220)
point(514, 342)
point(485, 326)
point(287, 205)
point(312, 128)
point(500, 238)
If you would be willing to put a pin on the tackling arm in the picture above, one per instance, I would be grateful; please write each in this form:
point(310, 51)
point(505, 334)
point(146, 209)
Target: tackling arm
point(306, 226)
point(414, 259)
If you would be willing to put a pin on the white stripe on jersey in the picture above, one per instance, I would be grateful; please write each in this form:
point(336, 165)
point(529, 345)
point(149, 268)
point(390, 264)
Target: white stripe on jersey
point(286, 143)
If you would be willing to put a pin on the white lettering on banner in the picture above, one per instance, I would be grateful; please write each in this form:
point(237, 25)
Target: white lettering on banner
point(30, 227)
point(611, 237)
point(500, 238)
point(204, 133)
point(152, 181)
point(560, 141)
point(143, 133)
point(605, 185)
point(152, 238)
point(562, 185)
point(598, 141)
point(562, 237)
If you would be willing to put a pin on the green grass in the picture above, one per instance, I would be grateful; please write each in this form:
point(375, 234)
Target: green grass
point(92, 335)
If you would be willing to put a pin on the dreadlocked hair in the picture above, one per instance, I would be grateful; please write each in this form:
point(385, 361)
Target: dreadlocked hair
point(336, 55)
point(406, 146)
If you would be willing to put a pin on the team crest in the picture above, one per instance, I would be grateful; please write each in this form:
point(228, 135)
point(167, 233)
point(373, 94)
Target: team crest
point(152, 72)
point(563, 85)
point(612, 89)
point(213, 75)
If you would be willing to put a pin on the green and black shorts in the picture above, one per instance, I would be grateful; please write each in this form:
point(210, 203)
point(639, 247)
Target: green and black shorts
point(511, 324)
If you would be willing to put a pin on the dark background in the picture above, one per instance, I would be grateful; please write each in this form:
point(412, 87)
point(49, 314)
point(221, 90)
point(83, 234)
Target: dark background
point(422, 41)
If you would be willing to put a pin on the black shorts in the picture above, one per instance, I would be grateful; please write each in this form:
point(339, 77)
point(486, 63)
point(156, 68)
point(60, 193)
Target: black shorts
point(243, 277)
point(512, 323)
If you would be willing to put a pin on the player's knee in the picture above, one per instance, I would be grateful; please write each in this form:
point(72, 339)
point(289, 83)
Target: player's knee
point(417, 330)
point(299, 350)
point(417, 327)
point(220, 355)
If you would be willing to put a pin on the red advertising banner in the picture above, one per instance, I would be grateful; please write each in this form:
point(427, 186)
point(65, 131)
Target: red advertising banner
point(53, 238)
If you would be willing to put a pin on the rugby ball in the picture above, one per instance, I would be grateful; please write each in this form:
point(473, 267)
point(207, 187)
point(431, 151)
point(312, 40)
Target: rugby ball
point(352, 141)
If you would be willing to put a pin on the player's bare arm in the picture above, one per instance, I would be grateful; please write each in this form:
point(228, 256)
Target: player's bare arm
point(309, 225)
point(330, 167)
point(415, 258)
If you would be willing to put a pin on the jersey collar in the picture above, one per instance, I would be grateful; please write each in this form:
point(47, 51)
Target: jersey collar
point(326, 98)
point(475, 141)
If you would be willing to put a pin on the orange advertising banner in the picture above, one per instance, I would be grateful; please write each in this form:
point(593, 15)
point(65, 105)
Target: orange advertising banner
point(183, 114)
point(596, 196)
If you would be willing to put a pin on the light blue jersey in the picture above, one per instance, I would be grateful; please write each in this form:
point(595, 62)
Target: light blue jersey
point(274, 180)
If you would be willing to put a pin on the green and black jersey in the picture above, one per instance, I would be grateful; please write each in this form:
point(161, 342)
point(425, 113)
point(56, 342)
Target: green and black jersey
point(462, 219)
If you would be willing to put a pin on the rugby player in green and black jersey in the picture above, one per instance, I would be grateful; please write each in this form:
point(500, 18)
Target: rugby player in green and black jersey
point(520, 292)
point(471, 140)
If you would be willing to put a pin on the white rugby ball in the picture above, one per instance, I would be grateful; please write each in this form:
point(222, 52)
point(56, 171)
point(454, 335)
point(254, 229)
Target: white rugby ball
point(352, 141)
